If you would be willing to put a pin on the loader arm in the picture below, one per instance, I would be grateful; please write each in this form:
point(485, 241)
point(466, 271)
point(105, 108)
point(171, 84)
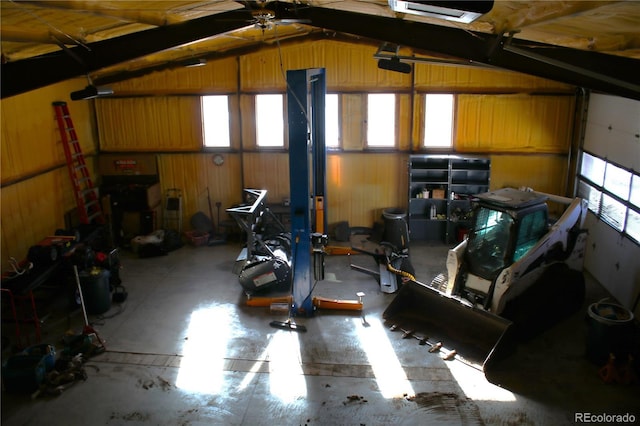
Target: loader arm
point(454, 260)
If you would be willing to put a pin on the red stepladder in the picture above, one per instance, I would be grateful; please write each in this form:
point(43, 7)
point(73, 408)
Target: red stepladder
point(87, 197)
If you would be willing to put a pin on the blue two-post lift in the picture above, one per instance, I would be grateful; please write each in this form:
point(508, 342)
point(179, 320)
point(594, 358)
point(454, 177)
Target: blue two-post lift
point(306, 91)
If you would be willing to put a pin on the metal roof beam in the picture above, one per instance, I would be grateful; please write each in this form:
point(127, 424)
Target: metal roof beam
point(29, 74)
point(597, 71)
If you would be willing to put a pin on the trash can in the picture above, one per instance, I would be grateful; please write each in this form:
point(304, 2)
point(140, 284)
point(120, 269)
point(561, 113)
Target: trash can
point(610, 331)
point(396, 231)
point(96, 291)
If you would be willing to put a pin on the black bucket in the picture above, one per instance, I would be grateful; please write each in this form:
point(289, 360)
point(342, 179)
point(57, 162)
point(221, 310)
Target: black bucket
point(396, 231)
point(96, 291)
point(481, 338)
point(610, 331)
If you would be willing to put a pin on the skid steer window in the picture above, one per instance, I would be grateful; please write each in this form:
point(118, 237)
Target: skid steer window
point(488, 243)
point(532, 228)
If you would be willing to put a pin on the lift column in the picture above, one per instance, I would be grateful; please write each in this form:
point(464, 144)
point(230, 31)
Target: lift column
point(306, 90)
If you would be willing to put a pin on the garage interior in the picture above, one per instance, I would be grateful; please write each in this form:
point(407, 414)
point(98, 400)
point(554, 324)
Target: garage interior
point(545, 95)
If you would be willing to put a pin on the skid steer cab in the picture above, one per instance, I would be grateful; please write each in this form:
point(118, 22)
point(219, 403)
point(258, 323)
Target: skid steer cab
point(515, 275)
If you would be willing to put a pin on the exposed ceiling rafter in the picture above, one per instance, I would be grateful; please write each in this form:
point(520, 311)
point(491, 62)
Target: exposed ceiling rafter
point(21, 76)
point(609, 73)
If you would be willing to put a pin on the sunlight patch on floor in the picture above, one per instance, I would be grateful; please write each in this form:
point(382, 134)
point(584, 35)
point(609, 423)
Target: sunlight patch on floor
point(390, 376)
point(286, 378)
point(202, 365)
point(475, 385)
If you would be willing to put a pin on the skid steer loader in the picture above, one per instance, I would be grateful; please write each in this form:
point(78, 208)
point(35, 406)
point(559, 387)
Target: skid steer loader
point(514, 276)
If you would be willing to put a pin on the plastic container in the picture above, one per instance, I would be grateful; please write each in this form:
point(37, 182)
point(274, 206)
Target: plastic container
point(46, 351)
point(96, 290)
point(610, 331)
point(197, 238)
point(396, 230)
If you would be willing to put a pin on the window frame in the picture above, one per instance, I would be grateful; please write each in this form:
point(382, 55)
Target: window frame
point(606, 197)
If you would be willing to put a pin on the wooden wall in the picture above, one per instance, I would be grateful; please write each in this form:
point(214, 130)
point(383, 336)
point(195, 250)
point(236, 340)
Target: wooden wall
point(36, 191)
point(524, 123)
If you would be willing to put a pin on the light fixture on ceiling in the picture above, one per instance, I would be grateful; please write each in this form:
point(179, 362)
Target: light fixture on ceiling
point(394, 64)
point(450, 10)
point(91, 92)
point(391, 61)
point(194, 62)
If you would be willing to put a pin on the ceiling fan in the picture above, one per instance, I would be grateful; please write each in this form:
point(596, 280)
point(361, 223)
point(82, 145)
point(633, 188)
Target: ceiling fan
point(265, 18)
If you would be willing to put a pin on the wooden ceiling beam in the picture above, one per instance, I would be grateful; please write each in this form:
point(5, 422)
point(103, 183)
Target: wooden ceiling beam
point(108, 9)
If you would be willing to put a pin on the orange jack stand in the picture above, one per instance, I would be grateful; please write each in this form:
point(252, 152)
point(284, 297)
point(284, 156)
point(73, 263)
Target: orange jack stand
point(627, 372)
point(609, 373)
point(318, 302)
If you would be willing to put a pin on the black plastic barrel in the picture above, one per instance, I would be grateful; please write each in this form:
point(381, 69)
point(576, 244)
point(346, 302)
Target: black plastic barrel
point(610, 331)
point(396, 231)
point(95, 290)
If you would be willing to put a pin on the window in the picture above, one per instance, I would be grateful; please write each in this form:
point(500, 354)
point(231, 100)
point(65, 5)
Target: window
point(613, 194)
point(635, 191)
point(532, 228)
point(215, 121)
point(592, 195)
point(332, 121)
point(633, 224)
point(270, 121)
point(381, 120)
point(617, 180)
point(593, 168)
point(487, 243)
point(438, 120)
point(613, 212)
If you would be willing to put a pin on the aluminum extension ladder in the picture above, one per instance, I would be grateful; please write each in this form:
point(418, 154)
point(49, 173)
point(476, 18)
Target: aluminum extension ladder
point(86, 195)
point(172, 214)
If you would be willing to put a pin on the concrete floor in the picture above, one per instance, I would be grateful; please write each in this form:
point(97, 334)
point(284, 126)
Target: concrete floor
point(184, 350)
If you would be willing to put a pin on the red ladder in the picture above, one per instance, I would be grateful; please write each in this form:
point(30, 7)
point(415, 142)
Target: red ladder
point(86, 194)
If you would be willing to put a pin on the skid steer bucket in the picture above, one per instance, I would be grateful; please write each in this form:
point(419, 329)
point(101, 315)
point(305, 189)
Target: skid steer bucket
point(478, 337)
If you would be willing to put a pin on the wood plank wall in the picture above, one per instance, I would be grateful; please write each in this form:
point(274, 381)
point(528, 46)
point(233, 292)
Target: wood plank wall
point(524, 123)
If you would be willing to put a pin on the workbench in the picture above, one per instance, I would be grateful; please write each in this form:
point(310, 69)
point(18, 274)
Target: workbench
point(18, 293)
point(18, 289)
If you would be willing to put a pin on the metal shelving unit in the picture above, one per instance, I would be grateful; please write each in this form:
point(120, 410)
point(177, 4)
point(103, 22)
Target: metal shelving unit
point(445, 183)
